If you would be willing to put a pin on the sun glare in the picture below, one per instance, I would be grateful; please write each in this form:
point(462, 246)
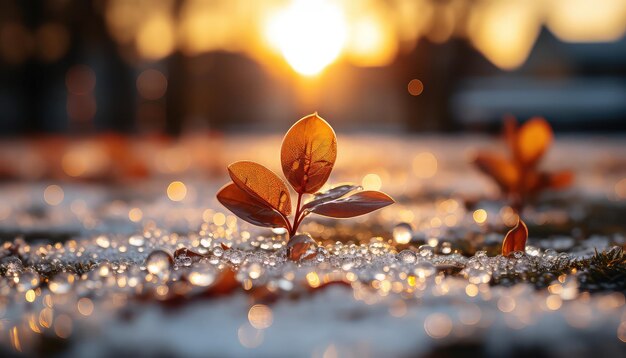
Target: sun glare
point(309, 34)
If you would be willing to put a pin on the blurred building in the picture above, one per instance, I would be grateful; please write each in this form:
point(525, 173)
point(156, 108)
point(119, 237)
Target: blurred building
point(170, 66)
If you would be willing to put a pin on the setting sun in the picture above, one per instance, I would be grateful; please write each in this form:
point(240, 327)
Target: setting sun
point(310, 35)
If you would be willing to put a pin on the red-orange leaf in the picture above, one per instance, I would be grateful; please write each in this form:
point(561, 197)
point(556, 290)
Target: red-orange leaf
point(248, 208)
point(500, 169)
point(510, 132)
point(308, 154)
point(330, 195)
point(560, 180)
point(261, 183)
point(533, 139)
point(515, 239)
point(358, 204)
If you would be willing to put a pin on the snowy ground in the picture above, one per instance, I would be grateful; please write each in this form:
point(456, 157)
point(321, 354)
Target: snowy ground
point(376, 302)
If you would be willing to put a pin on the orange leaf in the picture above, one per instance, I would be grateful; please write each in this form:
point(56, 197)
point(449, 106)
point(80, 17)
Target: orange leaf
point(510, 131)
point(358, 204)
point(539, 181)
point(515, 239)
point(330, 195)
point(533, 139)
point(248, 208)
point(499, 168)
point(308, 154)
point(261, 183)
point(560, 180)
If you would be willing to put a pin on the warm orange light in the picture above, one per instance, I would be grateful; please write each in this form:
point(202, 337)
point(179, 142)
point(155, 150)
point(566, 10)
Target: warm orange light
point(425, 165)
point(371, 182)
point(480, 216)
point(415, 87)
point(309, 34)
point(176, 191)
point(260, 316)
point(587, 20)
point(53, 195)
point(372, 39)
point(156, 37)
point(505, 31)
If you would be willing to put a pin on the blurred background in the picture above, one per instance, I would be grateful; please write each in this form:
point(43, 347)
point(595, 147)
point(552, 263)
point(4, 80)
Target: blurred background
point(173, 66)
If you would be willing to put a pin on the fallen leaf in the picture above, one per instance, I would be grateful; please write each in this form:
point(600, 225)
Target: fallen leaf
point(500, 169)
point(330, 195)
point(515, 239)
point(357, 204)
point(308, 153)
point(261, 183)
point(248, 208)
point(533, 139)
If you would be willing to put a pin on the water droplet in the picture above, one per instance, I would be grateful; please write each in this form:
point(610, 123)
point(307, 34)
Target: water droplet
point(402, 233)
point(255, 271)
point(183, 260)
point(136, 240)
point(550, 254)
point(424, 269)
point(202, 274)
point(218, 251)
point(159, 263)
point(407, 256)
point(426, 251)
point(446, 248)
point(236, 256)
point(279, 230)
point(12, 265)
point(61, 283)
point(301, 247)
point(477, 276)
point(103, 241)
point(27, 281)
point(206, 241)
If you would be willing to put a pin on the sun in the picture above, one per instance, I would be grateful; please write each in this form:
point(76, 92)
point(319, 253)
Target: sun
point(310, 35)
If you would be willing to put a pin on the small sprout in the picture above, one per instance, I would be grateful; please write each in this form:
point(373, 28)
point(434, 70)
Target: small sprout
point(518, 175)
point(515, 239)
point(308, 154)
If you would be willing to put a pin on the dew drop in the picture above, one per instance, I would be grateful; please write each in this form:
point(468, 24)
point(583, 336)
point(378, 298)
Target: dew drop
point(159, 263)
point(407, 256)
point(103, 241)
point(424, 269)
point(301, 247)
point(426, 251)
point(12, 265)
point(446, 248)
point(27, 281)
point(136, 240)
point(61, 283)
point(236, 257)
point(202, 274)
point(402, 233)
point(218, 251)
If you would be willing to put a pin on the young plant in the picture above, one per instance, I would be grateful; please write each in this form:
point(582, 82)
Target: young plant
point(518, 175)
point(515, 239)
point(308, 154)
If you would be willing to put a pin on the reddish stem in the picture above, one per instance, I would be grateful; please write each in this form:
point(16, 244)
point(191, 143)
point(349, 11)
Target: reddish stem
point(297, 219)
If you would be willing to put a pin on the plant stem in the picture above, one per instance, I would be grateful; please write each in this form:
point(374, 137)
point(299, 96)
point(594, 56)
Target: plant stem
point(296, 218)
